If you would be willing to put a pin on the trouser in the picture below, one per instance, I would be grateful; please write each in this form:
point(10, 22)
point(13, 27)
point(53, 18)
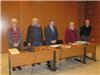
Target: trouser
point(84, 38)
point(12, 46)
point(37, 43)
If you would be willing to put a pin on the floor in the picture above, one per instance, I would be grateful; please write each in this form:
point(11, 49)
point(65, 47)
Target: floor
point(67, 67)
point(4, 69)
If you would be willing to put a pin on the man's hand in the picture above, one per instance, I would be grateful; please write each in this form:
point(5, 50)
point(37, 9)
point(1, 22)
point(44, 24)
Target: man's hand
point(29, 44)
point(53, 41)
point(70, 43)
point(15, 44)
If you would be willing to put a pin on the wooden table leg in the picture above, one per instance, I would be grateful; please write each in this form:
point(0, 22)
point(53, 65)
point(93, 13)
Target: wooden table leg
point(84, 56)
point(94, 54)
point(9, 66)
point(54, 68)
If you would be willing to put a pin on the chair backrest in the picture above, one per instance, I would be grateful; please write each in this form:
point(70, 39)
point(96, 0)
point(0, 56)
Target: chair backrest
point(25, 43)
point(59, 42)
point(44, 43)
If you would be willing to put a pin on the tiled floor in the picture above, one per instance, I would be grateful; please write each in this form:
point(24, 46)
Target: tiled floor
point(70, 67)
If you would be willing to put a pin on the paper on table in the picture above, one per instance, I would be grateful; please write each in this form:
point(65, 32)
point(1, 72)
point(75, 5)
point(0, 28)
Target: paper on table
point(54, 46)
point(75, 44)
point(14, 51)
point(81, 42)
point(67, 46)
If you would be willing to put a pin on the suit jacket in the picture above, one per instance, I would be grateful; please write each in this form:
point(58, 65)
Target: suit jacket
point(85, 31)
point(48, 34)
point(30, 34)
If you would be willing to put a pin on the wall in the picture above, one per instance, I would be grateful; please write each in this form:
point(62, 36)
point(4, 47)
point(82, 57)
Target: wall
point(8, 11)
point(61, 12)
point(81, 14)
point(93, 13)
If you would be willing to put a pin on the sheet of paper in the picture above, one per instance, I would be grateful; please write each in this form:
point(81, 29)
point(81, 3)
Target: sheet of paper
point(81, 42)
point(75, 44)
point(14, 51)
point(54, 46)
point(67, 46)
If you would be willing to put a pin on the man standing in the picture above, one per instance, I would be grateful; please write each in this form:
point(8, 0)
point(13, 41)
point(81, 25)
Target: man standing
point(51, 36)
point(14, 37)
point(51, 33)
point(71, 33)
point(85, 31)
point(34, 33)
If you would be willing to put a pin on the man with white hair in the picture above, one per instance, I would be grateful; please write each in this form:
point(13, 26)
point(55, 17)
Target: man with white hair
point(71, 33)
point(34, 33)
point(85, 31)
point(14, 37)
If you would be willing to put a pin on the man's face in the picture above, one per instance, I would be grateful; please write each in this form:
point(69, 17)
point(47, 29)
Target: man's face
point(52, 23)
point(35, 21)
point(87, 22)
point(14, 24)
point(71, 25)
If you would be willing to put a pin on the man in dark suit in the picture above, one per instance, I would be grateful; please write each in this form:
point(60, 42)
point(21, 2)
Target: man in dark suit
point(51, 36)
point(34, 34)
point(51, 33)
point(85, 31)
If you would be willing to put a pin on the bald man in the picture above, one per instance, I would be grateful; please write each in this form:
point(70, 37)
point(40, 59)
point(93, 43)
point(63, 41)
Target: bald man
point(85, 31)
point(34, 33)
point(14, 37)
point(71, 33)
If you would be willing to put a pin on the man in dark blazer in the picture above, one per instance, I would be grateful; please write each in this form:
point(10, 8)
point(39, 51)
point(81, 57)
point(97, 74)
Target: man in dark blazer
point(34, 34)
point(85, 31)
point(51, 36)
point(51, 33)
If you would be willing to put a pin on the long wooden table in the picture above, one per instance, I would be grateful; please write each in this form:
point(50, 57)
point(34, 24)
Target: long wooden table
point(48, 53)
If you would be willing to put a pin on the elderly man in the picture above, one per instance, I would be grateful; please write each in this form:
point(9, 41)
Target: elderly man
point(34, 33)
point(85, 31)
point(14, 37)
point(71, 33)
